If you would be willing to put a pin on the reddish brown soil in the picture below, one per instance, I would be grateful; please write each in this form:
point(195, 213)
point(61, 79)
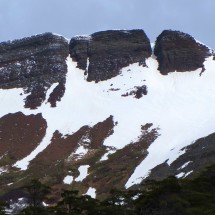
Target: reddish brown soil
point(20, 134)
point(100, 132)
point(60, 147)
point(52, 164)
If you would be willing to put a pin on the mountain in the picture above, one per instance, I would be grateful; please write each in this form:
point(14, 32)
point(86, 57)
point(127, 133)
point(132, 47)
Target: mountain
point(104, 111)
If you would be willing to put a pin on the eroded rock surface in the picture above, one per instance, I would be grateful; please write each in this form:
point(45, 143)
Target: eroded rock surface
point(34, 63)
point(177, 51)
point(104, 54)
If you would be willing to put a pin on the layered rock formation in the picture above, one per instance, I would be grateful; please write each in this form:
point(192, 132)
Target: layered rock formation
point(34, 63)
point(177, 51)
point(104, 54)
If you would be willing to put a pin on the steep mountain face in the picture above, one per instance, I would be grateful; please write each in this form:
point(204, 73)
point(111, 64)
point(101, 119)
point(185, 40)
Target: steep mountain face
point(104, 111)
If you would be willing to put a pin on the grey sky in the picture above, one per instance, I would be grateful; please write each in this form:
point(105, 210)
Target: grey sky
point(20, 18)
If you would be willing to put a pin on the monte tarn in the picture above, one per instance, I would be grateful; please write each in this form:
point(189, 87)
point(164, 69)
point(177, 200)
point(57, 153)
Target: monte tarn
point(104, 111)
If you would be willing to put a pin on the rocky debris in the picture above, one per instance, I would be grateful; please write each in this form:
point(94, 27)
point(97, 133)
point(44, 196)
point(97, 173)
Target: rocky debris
point(20, 135)
point(177, 51)
point(34, 63)
point(103, 54)
point(197, 156)
point(138, 92)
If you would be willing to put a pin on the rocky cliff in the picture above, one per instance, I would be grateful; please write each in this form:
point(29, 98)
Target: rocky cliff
point(103, 54)
point(178, 51)
point(34, 63)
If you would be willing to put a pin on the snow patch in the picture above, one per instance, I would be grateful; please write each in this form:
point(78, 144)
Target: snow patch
point(3, 170)
point(83, 37)
point(83, 173)
point(79, 153)
point(91, 192)
point(50, 90)
point(180, 175)
point(183, 175)
point(105, 156)
point(184, 165)
point(188, 173)
point(68, 179)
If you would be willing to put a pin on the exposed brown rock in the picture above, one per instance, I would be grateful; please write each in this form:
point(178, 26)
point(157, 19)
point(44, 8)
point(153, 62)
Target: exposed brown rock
point(177, 51)
point(100, 132)
point(20, 135)
point(114, 172)
point(60, 147)
point(55, 162)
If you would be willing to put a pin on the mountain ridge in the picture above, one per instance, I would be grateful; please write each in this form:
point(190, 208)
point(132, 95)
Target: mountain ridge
point(120, 126)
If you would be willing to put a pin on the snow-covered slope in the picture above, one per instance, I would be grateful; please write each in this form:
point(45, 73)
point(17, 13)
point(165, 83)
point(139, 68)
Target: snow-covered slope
point(180, 106)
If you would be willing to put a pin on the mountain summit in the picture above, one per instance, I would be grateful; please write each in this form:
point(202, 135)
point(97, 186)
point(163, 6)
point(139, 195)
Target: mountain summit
point(104, 111)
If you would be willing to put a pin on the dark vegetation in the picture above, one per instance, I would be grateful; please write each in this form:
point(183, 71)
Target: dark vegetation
point(170, 196)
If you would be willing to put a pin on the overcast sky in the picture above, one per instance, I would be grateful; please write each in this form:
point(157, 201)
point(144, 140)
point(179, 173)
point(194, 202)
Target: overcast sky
point(20, 18)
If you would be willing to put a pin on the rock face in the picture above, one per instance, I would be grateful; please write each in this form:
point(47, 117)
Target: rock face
point(78, 49)
point(34, 63)
point(104, 54)
point(177, 51)
point(197, 156)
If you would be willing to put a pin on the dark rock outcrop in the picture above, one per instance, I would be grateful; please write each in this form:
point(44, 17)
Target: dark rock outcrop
point(109, 51)
point(78, 49)
point(34, 63)
point(198, 155)
point(177, 51)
